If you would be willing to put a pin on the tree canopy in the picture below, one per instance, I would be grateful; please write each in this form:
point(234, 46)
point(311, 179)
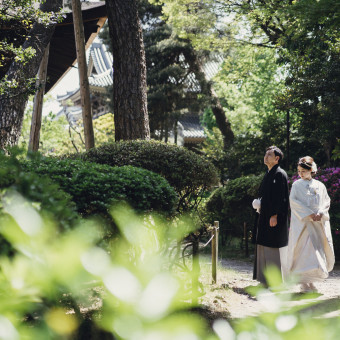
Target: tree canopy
point(304, 38)
point(16, 21)
point(21, 63)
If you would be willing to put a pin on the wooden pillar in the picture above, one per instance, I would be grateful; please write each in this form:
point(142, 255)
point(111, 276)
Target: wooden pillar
point(214, 251)
point(83, 78)
point(38, 103)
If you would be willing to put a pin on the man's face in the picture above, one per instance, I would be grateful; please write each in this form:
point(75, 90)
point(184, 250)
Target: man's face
point(270, 159)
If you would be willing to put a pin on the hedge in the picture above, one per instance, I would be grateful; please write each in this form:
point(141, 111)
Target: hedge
point(231, 205)
point(95, 188)
point(44, 195)
point(47, 195)
point(189, 173)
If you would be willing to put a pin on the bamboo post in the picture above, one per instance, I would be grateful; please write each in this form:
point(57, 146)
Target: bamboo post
point(33, 144)
point(83, 78)
point(245, 231)
point(214, 251)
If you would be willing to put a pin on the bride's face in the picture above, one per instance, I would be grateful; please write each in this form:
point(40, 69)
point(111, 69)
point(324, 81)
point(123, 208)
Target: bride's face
point(305, 173)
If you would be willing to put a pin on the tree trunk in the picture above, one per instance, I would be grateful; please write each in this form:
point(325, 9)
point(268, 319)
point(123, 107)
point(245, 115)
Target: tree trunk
point(38, 103)
point(221, 120)
point(12, 105)
point(129, 78)
point(83, 78)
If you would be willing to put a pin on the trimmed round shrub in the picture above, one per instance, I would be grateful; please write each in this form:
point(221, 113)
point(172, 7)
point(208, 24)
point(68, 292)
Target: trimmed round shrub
point(189, 173)
point(95, 187)
point(231, 205)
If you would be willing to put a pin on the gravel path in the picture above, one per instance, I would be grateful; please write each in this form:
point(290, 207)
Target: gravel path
point(229, 297)
point(328, 291)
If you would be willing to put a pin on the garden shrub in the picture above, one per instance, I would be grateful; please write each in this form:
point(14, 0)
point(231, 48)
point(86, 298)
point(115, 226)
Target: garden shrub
point(95, 187)
point(68, 288)
point(330, 177)
point(189, 173)
point(231, 205)
point(46, 197)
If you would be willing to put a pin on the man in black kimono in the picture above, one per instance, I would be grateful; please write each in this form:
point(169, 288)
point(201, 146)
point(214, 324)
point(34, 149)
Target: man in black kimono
point(271, 230)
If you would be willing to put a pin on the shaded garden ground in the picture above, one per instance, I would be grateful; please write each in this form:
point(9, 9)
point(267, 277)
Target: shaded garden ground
point(228, 297)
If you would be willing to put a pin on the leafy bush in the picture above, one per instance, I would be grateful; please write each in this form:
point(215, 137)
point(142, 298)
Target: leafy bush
point(68, 288)
point(187, 172)
point(65, 287)
point(330, 177)
point(231, 205)
point(41, 191)
point(96, 187)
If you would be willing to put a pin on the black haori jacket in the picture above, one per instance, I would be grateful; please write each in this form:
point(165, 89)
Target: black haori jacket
point(274, 201)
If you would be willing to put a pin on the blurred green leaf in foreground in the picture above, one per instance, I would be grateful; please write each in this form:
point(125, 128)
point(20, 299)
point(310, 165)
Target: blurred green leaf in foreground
point(56, 284)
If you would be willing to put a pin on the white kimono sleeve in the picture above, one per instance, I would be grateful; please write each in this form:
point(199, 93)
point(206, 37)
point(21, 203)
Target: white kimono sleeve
point(325, 203)
point(298, 208)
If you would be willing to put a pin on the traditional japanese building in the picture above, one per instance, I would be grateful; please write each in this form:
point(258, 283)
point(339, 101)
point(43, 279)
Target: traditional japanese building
point(189, 131)
point(100, 75)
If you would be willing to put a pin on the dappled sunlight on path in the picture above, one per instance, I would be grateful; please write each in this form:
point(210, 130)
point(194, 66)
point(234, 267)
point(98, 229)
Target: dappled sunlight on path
point(231, 294)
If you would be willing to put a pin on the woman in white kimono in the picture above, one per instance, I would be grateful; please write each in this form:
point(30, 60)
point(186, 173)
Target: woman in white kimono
point(310, 246)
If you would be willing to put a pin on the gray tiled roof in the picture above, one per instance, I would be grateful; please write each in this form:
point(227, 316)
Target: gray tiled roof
point(66, 95)
point(191, 127)
point(102, 62)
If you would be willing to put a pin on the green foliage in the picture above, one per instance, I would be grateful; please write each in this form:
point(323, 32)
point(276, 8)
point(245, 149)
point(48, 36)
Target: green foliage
point(47, 197)
point(213, 149)
point(304, 38)
point(95, 187)
point(245, 156)
point(103, 128)
point(58, 136)
point(249, 81)
point(190, 174)
point(200, 21)
point(54, 134)
point(336, 151)
point(311, 47)
point(174, 83)
point(64, 286)
point(16, 20)
point(232, 204)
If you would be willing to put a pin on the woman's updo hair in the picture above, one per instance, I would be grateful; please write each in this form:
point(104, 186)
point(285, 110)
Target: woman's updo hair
point(307, 162)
